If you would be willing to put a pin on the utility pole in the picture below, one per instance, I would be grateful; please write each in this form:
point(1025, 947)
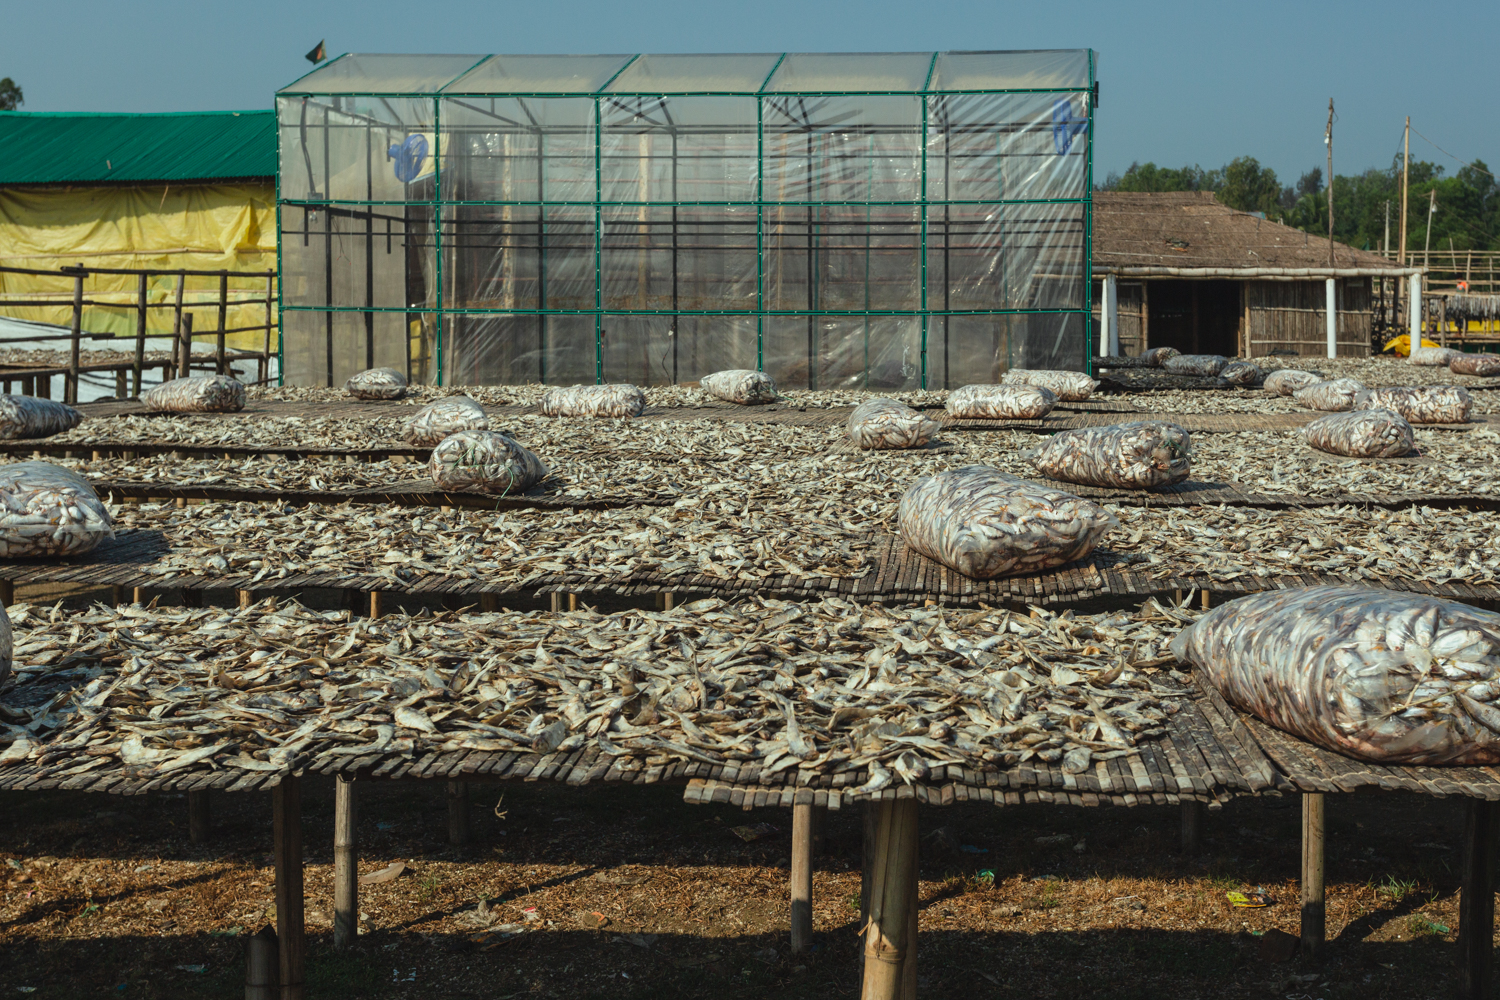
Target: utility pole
point(1431, 211)
point(1405, 171)
point(1385, 245)
point(1328, 141)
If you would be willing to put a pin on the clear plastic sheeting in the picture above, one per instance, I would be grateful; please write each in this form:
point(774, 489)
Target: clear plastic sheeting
point(1433, 404)
point(198, 394)
point(46, 511)
point(33, 417)
point(440, 418)
point(484, 462)
point(1001, 402)
point(984, 523)
point(840, 220)
point(1361, 434)
point(1378, 675)
point(888, 423)
point(1140, 455)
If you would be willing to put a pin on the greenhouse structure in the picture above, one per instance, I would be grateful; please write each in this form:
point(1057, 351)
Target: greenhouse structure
point(880, 221)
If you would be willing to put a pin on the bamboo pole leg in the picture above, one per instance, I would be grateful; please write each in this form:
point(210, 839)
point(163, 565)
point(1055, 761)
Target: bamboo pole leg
point(247, 598)
point(1313, 928)
point(458, 812)
point(262, 974)
point(1192, 827)
point(869, 822)
point(889, 945)
point(291, 933)
point(489, 603)
point(375, 602)
point(345, 862)
point(7, 592)
point(1476, 905)
point(200, 818)
point(802, 842)
point(555, 601)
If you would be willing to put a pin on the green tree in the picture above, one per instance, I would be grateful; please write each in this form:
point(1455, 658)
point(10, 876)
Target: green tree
point(1250, 187)
point(10, 95)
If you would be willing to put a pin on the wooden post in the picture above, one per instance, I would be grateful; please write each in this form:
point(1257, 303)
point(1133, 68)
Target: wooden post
point(1476, 905)
point(137, 595)
point(555, 600)
point(866, 871)
point(489, 603)
point(291, 933)
point(121, 383)
point(177, 322)
point(262, 972)
point(185, 355)
point(889, 947)
point(458, 812)
point(247, 598)
point(265, 361)
point(7, 592)
point(375, 596)
point(802, 842)
point(1192, 827)
point(199, 817)
point(70, 388)
point(140, 337)
point(345, 862)
point(192, 597)
point(219, 366)
point(1312, 876)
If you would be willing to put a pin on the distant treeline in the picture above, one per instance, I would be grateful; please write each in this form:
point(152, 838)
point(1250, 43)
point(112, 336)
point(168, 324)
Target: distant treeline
point(1467, 215)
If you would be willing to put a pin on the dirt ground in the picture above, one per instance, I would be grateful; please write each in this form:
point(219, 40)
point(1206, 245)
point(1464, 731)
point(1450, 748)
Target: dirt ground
point(105, 896)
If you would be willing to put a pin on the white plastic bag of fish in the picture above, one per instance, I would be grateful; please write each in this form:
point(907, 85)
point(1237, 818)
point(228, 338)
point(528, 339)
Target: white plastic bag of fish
point(1241, 373)
point(199, 394)
point(484, 462)
point(1381, 675)
point(983, 523)
point(442, 417)
point(33, 417)
point(1487, 365)
point(1333, 395)
point(376, 383)
point(740, 385)
point(46, 510)
point(1288, 380)
point(1141, 455)
point(1428, 404)
point(1068, 387)
point(1158, 355)
point(1206, 365)
point(1361, 434)
point(1432, 357)
point(616, 400)
point(886, 423)
point(1001, 402)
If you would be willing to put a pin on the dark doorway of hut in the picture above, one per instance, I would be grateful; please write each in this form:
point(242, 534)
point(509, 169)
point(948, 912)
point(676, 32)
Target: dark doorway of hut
point(1196, 317)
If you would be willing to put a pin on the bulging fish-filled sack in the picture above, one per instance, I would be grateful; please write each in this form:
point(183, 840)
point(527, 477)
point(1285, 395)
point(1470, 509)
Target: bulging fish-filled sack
point(1001, 402)
point(617, 400)
point(1430, 404)
point(1068, 387)
point(1487, 365)
point(1432, 357)
point(1381, 675)
point(1195, 364)
point(1288, 380)
point(32, 417)
point(199, 394)
point(1241, 373)
point(1157, 355)
point(887, 423)
point(1334, 394)
point(1141, 455)
point(1361, 434)
point(442, 417)
point(740, 385)
point(376, 383)
point(484, 462)
point(983, 523)
point(46, 510)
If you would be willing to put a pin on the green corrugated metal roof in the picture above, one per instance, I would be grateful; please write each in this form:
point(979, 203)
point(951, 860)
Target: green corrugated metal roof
point(83, 148)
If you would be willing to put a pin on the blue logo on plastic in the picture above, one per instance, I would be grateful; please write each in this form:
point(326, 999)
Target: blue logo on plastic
point(1065, 126)
point(409, 157)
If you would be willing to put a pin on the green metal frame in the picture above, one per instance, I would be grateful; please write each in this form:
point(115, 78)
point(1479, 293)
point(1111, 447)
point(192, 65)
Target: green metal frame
point(598, 204)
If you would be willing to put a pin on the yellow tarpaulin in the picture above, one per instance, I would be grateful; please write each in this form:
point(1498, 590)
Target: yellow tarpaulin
point(193, 227)
point(1401, 346)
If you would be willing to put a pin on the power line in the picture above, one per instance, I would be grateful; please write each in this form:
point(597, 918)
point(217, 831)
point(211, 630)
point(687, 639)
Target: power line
point(1440, 149)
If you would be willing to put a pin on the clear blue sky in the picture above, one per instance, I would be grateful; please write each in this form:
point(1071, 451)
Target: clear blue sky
point(1198, 82)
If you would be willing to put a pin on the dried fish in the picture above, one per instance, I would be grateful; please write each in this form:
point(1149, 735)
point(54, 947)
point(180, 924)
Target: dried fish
point(1001, 402)
point(33, 417)
point(376, 383)
point(1241, 373)
point(445, 416)
point(885, 423)
point(46, 510)
point(984, 523)
point(1288, 380)
point(1334, 394)
point(1422, 404)
point(1432, 357)
point(741, 386)
point(484, 462)
point(199, 394)
point(1380, 675)
point(1195, 364)
point(1069, 387)
point(1141, 455)
point(1484, 365)
point(1157, 356)
point(616, 400)
point(1362, 434)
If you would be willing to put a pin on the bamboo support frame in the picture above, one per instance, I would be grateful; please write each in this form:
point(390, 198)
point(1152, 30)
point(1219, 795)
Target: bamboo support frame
point(291, 933)
point(1476, 905)
point(802, 850)
point(889, 938)
point(345, 861)
point(262, 971)
point(1313, 908)
point(200, 816)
